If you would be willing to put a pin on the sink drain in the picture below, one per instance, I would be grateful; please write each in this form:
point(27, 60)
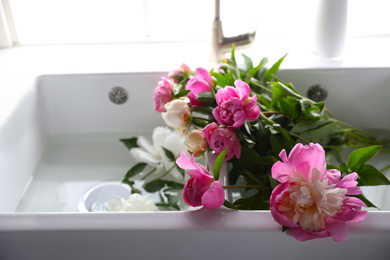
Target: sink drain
point(118, 95)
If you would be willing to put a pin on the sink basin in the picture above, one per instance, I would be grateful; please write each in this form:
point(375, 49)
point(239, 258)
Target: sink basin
point(62, 137)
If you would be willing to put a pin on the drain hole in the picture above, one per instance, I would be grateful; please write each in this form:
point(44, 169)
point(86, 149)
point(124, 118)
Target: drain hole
point(317, 92)
point(118, 95)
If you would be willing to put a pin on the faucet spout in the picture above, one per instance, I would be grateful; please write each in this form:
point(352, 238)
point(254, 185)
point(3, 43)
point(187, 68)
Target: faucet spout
point(221, 44)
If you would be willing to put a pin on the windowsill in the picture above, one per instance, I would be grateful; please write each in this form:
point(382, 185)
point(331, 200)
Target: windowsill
point(108, 58)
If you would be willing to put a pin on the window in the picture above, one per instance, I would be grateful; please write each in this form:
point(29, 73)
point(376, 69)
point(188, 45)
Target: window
point(127, 21)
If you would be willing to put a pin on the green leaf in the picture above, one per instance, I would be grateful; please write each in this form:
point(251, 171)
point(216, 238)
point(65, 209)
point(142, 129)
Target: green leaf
point(221, 80)
point(371, 176)
point(273, 70)
point(360, 156)
point(204, 109)
point(257, 70)
point(273, 182)
point(136, 169)
point(344, 168)
point(169, 154)
point(229, 205)
point(218, 163)
point(130, 143)
point(199, 122)
point(157, 185)
point(206, 97)
point(248, 62)
point(182, 93)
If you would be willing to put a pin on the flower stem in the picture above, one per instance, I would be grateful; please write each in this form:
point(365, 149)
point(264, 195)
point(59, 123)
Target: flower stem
point(148, 174)
point(260, 86)
point(162, 176)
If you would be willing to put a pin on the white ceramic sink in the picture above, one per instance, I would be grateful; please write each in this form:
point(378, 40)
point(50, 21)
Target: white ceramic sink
point(62, 137)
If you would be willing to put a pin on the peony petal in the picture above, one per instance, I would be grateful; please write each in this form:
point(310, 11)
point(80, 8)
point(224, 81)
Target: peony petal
point(184, 162)
point(302, 235)
point(204, 74)
point(145, 144)
point(333, 176)
point(214, 197)
point(350, 215)
point(238, 119)
point(190, 196)
point(225, 94)
point(243, 90)
point(216, 114)
point(277, 194)
point(337, 230)
point(252, 111)
point(305, 158)
point(283, 156)
point(141, 155)
point(281, 171)
point(349, 181)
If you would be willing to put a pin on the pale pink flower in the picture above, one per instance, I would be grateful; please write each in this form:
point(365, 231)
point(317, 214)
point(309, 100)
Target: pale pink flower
point(201, 188)
point(221, 137)
point(180, 74)
point(163, 94)
point(196, 142)
point(311, 200)
point(199, 83)
point(234, 105)
point(177, 115)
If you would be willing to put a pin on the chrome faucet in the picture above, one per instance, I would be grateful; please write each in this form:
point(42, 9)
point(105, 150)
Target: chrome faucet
point(220, 44)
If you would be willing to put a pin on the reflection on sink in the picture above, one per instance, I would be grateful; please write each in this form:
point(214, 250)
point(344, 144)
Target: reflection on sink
point(63, 138)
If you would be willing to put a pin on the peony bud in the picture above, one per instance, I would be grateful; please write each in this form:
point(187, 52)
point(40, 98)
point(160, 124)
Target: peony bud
point(163, 94)
point(178, 114)
point(196, 142)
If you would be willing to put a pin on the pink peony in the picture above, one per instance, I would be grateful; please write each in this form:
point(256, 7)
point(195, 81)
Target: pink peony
point(201, 188)
point(199, 83)
point(220, 137)
point(311, 200)
point(234, 105)
point(163, 94)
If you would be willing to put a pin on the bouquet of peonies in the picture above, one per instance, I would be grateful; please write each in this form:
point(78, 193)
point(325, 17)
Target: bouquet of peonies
point(272, 142)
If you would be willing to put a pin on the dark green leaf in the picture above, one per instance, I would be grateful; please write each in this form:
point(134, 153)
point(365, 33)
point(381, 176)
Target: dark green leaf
point(182, 93)
point(229, 205)
point(273, 182)
point(371, 176)
point(344, 168)
point(199, 122)
point(204, 109)
point(130, 143)
point(206, 97)
point(218, 163)
point(360, 156)
point(136, 169)
point(157, 185)
point(169, 154)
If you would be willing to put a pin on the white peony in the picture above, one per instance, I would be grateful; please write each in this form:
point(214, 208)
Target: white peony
point(136, 202)
point(154, 155)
